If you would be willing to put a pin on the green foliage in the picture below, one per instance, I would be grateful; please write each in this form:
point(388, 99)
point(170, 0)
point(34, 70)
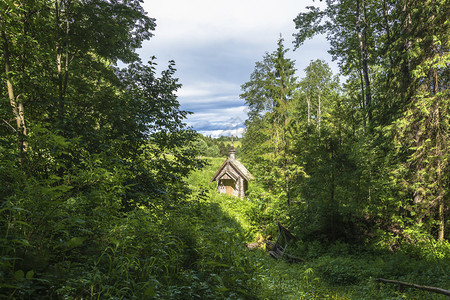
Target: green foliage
point(267, 143)
point(97, 159)
point(339, 271)
point(208, 146)
point(345, 270)
point(394, 54)
point(101, 195)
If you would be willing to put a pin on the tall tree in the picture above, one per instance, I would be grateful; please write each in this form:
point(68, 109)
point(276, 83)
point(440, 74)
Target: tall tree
point(398, 50)
point(422, 131)
point(351, 34)
point(82, 143)
point(43, 41)
point(323, 148)
point(317, 85)
point(269, 95)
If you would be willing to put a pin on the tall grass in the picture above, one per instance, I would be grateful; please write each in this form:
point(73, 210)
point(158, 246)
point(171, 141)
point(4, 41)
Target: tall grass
point(333, 271)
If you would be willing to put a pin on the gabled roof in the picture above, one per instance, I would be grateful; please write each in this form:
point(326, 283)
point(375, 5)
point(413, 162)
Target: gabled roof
point(228, 175)
point(237, 166)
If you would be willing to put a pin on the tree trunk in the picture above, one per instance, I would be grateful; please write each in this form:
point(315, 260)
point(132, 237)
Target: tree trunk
point(17, 106)
point(441, 222)
point(308, 101)
point(407, 45)
point(364, 60)
point(59, 58)
point(362, 103)
point(319, 112)
point(66, 67)
point(387, 28)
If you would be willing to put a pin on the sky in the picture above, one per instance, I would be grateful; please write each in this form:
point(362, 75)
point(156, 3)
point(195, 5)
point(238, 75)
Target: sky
point(215, 45)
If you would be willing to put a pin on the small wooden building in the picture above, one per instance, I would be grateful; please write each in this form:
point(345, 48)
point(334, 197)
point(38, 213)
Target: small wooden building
point(232, 177)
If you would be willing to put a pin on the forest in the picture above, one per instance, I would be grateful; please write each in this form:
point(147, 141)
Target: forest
point(105, 192)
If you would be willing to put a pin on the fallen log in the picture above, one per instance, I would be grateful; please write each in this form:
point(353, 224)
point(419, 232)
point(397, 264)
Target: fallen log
point(412, 285)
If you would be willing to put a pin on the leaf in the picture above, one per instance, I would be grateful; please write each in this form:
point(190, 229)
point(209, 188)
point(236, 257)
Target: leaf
point(19, 275)
point(150, 291)
point(22, 241)
point(217, 264)
point(22, 223)
point(9, 286)
point(75, 242)
point(29, 274)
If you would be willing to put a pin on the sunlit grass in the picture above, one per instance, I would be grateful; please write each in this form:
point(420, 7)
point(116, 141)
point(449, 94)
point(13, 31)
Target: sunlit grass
point(277, 279)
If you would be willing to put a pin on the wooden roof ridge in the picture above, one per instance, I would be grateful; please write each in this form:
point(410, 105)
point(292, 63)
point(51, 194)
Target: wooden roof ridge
point(242, 170)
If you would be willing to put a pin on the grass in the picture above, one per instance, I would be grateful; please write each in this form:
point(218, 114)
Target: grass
point(333, 271)
point(195, 249)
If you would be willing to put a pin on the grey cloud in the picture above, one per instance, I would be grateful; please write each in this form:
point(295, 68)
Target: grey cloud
point(214, 56)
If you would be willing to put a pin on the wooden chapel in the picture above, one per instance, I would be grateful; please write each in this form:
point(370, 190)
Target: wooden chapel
point(232, 177)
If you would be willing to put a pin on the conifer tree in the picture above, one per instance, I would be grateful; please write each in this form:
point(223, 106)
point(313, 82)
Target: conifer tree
point(269, 95)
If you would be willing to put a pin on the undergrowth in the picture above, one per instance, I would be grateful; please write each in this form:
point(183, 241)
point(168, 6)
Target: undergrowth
point(197, 250)
point(334, 270)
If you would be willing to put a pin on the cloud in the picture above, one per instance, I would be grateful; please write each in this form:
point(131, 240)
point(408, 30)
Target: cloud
point(231, 126)
point(228, 116)
point(200, 88)
point(217, 133)
point(215, 45)
point(208, 126)
point(215, 122)
point(209, 21)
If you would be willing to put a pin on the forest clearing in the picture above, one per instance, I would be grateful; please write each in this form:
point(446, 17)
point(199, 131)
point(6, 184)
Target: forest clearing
point(335, 190)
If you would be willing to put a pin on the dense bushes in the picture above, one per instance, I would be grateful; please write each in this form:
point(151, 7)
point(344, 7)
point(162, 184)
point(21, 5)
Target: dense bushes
point(343, 268)
point(195, 251)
